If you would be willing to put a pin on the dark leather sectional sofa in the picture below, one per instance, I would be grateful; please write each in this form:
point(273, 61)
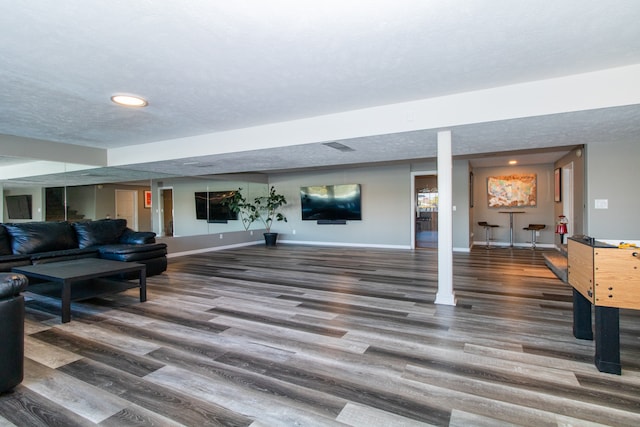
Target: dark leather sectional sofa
point(11, 330)
point(39, 242)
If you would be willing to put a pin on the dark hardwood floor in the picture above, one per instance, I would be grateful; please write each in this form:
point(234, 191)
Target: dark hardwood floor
point(301, 335)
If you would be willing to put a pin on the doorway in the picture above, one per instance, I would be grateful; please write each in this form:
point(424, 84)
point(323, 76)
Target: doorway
point(567, 197)
point(426, 210)
point(166, 199)
point(127, 207)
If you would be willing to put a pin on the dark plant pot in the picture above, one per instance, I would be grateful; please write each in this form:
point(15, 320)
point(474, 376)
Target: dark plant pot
point(270, 239)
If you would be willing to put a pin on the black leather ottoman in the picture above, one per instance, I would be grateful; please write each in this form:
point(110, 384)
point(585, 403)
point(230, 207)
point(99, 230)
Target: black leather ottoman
point(153, 255)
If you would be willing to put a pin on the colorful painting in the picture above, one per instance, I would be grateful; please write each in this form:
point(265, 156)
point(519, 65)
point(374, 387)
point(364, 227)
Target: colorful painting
point(512, 191)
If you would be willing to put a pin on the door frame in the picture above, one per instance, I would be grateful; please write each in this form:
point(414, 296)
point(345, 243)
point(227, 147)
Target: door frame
point(567, 197)
point(161, 215)
point(414, 202)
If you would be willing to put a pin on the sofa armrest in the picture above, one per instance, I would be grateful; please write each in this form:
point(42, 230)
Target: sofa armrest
point(130, 237)
point(11, 284)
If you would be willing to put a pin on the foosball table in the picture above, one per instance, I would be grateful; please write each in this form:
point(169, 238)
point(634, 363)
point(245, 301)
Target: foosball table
point(606, 277)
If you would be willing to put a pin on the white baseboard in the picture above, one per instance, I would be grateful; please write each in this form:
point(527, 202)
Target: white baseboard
point(346, 245)
point(215, 248)
point(515, 245)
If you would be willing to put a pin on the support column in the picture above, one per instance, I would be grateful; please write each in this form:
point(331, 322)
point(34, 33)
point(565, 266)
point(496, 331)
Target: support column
point(445, 293)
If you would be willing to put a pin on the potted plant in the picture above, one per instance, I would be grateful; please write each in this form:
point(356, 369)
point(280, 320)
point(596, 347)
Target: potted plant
point(246, 211)
point(264, 209)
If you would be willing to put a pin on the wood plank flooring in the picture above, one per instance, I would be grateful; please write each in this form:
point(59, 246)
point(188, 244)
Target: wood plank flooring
point(315, 336)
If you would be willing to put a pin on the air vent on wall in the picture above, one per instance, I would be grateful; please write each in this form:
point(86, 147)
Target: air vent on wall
point(338, 146)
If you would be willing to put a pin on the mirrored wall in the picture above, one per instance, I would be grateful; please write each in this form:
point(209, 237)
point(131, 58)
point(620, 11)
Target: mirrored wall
point(171, 206)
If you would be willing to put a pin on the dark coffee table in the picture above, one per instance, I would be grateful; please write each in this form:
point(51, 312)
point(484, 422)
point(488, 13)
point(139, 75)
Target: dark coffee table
point(84, 278)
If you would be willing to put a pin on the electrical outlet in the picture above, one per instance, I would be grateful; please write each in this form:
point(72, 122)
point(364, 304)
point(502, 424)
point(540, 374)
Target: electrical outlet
point(221, 236)
point(537, 234)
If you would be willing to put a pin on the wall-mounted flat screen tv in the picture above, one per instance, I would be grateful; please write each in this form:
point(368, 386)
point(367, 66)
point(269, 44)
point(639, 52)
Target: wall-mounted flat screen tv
point(19, 207)
point(209, 206)
point(331, 202)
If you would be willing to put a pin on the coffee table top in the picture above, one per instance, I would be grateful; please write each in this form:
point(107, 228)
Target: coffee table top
point(78, 269)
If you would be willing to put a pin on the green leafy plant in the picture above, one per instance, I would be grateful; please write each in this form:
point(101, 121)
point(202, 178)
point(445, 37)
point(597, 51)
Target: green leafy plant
point(246, 211)
point(263, 208)
point(267, 208)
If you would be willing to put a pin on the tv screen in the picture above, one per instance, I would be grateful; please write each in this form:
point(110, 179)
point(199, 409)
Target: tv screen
point(331, 202)
point(19, 207)
point(209, 206)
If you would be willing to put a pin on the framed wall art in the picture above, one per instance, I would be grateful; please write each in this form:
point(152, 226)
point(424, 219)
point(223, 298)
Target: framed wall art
point(512, 191)
point(557, 185)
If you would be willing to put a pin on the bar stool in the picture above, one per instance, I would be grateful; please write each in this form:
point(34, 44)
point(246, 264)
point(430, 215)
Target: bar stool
point(487, 230)
point(533, 228)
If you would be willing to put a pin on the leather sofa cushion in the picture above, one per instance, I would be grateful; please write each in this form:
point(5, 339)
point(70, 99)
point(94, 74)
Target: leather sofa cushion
point(137, 237)
point(5, 242)
point(32, 237)
point(7, 262)
point(11, 284)
point(133, 253)
point(64, 255)
point(100, 232)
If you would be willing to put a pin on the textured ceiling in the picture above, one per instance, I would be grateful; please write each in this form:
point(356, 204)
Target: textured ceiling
point(208, 66)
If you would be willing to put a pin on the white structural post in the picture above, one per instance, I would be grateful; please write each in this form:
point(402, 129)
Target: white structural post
point(445, 293)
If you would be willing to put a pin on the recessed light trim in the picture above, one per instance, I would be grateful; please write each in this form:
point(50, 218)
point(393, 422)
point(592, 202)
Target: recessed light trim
point(129, 100)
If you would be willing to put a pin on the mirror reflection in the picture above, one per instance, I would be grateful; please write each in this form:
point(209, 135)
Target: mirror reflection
point(171, 206)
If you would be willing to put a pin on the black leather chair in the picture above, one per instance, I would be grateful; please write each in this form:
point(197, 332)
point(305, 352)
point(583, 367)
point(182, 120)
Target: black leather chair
point(11, 330)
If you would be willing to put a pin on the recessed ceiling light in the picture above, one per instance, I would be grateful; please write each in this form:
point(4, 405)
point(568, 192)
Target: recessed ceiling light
point(513, 162)
point(129, 100)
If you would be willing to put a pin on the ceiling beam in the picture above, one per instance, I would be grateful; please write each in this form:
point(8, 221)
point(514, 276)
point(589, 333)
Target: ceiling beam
point(37, 149)
point(580, 92)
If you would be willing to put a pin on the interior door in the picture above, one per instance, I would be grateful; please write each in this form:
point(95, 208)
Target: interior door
point(167, 211)
point(127, 207)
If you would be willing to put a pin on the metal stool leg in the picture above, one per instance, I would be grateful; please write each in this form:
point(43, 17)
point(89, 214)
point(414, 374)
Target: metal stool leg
point(487, 241)
point(533, 240)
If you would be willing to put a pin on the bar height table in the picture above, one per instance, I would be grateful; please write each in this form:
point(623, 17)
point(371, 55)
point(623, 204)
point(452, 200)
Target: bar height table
point(511, 224)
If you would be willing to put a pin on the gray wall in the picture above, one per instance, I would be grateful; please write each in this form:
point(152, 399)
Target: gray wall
point(82, 199)
point(386, 207)
point(463, 214)
point(184, 208)
point(613, 174)
point(543, 213)
point(37, 209)
point(387, 210)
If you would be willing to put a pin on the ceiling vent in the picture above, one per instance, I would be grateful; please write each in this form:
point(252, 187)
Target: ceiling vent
point(338, 146)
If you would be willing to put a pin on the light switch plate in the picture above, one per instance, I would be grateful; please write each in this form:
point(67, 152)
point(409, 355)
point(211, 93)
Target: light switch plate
point(602, 204)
